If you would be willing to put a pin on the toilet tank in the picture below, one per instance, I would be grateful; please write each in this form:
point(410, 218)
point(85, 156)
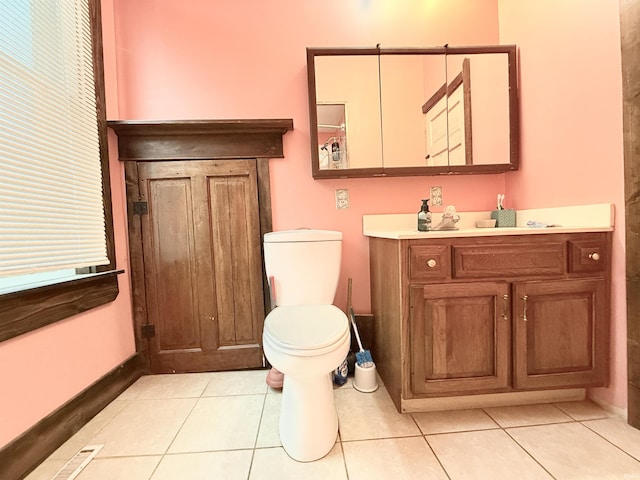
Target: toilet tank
point(303, 266)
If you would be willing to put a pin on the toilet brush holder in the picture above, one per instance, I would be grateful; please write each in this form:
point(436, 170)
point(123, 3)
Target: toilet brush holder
point(365, 379)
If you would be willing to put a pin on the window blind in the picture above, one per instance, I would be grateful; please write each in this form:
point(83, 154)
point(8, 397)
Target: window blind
point(51, 211)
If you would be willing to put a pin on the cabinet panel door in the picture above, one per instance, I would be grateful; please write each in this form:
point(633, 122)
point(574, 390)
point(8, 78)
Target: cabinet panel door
point(203, 264)
point(459, 337)
point(561, 334)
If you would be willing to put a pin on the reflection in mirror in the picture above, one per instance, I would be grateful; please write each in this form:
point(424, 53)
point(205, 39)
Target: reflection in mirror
point(479, 113)
point(349, 81)
point(405, 82)
point(459, 118)
point(332, 135)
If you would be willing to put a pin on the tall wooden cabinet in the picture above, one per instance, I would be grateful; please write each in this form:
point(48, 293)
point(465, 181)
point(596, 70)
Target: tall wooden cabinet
point(198, 204)
point(494, 314)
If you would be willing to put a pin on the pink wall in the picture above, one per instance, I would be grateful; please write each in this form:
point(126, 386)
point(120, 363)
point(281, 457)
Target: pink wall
point(44, 369)
point(571, 126)
point(205, 59)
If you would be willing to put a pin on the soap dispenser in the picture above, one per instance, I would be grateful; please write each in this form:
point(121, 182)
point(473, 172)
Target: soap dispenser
point(424, 217)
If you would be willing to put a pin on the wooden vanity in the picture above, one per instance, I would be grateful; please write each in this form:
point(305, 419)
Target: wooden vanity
point(508, 311)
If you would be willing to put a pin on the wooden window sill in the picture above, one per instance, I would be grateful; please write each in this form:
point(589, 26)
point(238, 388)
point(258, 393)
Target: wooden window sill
point(28, 310)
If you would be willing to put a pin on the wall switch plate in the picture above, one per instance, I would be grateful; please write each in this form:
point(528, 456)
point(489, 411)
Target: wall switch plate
point(342, 198)
point(436, 196)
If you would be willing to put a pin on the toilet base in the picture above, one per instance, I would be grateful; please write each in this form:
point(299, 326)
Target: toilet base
point(308, 417)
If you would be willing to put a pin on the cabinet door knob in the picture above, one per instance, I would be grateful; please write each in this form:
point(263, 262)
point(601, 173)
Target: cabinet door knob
point(431, 263)
point(594, 256)
point(524, 308)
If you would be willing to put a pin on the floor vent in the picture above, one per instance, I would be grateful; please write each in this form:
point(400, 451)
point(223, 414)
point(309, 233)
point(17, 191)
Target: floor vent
point(73, 467)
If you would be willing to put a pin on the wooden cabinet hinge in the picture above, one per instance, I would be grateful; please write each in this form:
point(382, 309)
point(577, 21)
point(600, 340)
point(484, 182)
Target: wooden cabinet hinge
point(148, 331)
point(140, 208)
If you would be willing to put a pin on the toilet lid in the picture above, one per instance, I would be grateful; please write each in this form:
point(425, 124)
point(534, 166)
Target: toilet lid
point(306, 327)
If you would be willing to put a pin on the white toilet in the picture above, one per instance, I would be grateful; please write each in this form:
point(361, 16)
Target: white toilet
point(305, 337)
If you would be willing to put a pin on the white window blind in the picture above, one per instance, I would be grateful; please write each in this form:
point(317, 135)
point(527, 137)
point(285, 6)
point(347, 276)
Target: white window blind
point(51, 212)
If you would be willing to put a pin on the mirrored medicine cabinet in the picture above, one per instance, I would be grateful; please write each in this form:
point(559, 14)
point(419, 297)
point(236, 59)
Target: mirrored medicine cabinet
point(420, 111)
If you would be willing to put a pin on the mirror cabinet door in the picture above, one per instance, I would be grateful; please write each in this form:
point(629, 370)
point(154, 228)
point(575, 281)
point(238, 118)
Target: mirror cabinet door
point(412, 138)
point(479, 120)
point(348, 112)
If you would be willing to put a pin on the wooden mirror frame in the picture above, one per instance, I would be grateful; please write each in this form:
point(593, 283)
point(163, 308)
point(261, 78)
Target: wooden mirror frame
point(514, 134)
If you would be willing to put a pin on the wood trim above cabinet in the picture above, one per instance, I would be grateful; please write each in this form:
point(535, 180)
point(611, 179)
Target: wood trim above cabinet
point(142, 140)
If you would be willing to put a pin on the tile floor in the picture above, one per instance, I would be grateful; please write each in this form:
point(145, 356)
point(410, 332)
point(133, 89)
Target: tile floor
point(225, 426)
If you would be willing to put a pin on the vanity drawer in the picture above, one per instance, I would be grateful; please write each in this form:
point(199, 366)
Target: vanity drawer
point(587, 256)
point(509, 260)
point(429, 262)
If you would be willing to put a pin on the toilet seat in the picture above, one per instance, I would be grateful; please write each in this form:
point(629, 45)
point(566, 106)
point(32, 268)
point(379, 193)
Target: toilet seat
point(306, 330)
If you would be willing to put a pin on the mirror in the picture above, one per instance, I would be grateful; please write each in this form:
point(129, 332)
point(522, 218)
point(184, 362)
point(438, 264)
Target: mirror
point(394, 112)
point(347, 108)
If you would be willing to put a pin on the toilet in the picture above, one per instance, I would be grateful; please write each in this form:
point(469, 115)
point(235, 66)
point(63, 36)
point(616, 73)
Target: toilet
point(305, 336)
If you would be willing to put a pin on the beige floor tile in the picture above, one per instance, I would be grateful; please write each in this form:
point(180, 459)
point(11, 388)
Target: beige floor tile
point(268, 434)
point(185, 385)
point(46, 470)
point(274, 463)
point(83, 436)
point(570, 451)
point(245, 382)
point(584, 410)
point(391, 458)
point(364, 416)
point(143, 427)
point(523, 415)
point(454, 421)
point(220, 423)
point(484, 455)
point(230, 465)
point(120, 468)
point(621, 434)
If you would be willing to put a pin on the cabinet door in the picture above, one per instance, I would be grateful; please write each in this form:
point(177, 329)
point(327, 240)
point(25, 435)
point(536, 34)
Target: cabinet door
point(203, 266)
point(459, 337)
point(561, 333)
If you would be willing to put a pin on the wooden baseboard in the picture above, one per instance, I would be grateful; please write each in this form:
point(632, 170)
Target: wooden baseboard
point(488, 400)
point(26, 452)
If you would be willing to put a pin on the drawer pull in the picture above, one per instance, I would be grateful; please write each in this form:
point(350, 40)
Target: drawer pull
point(505, 307)
point(594, 256)
point(431, 263)
point(524, 308)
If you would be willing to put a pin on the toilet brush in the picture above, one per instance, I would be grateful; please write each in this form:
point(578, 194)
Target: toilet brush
point(363, 357)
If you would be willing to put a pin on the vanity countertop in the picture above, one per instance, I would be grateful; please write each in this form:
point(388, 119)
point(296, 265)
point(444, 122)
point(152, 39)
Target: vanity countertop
point(574, 219)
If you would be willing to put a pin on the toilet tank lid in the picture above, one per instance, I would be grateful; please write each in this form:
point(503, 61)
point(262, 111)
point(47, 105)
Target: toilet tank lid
point(302, 235)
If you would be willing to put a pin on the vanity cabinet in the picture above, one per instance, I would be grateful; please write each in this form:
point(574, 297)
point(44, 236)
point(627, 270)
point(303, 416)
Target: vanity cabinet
point(494, 314)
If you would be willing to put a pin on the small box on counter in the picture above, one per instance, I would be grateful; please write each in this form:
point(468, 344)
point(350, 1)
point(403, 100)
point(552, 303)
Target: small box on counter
point(504, 218)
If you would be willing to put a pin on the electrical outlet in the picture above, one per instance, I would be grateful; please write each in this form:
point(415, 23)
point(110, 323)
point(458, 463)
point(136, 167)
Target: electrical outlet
point(342, 198)
point(436, 196)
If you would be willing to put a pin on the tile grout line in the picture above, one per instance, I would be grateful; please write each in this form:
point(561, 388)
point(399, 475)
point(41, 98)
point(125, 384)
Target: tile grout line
point(606, 439)
point(344, 457)
point(255, 443)
point(197, 399)
point(504, 429)
point(424, 437)
point(528, 453)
